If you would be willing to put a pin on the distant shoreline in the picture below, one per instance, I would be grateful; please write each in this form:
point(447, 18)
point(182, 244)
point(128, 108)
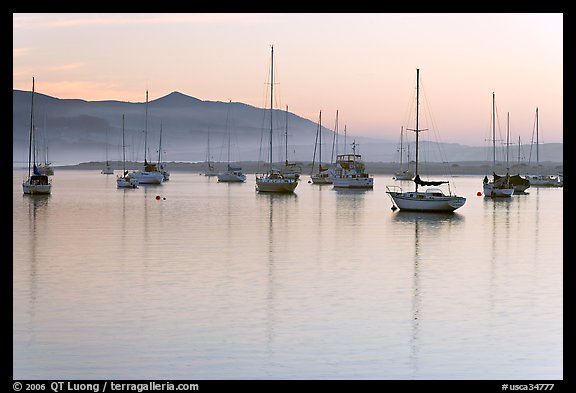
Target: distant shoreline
point(376, 168)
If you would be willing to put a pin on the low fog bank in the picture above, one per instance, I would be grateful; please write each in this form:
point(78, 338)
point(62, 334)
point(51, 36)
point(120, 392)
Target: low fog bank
point(252, 167)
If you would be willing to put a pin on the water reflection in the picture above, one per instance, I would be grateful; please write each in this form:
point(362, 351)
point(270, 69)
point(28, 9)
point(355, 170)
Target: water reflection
point(280, 209)
point(351, 191)
point(270, 294)
point(224, 282)
point(537, 221)
point(425, 225)
point(497, 218)
point(123, 248)
point(349, 205)
point(37, 220)
point(434, 219)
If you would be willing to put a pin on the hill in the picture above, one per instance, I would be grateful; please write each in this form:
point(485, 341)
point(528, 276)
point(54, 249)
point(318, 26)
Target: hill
point(76, 130)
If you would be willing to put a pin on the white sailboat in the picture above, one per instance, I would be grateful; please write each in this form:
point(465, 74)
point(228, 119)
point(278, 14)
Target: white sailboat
point(233, 174)
point(274, 180)
point(323, 176)
point(540, 180)
point(403, 174)
point(500, 185)
point(107, 170)
point(123, 181)
point(431, 199)
point(36, 183)
point(150, 174)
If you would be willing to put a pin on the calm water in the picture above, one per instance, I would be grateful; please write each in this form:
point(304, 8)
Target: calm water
point(216, 281)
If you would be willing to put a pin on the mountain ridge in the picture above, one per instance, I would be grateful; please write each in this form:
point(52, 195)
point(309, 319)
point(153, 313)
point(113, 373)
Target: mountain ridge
point(78, 130)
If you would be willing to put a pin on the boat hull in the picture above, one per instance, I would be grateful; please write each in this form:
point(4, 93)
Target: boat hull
point(404, 176)
point(353, 182)
point(37, 185)
point(125, 182)
point(321, 179)
point(147, 177)
point(231, 178)
point(275, 185)
point(495, 192)
point(544, 181)
point(35, 189)
point(421, 201)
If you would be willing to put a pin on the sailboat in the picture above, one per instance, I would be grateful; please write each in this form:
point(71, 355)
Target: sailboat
point(432, 199)
point(107, 170)
point(150, 174)
point(323, 175)
point(36, 183)
point(403, 174)
point(538, 179)
point(162, 164)
point(124, 181)
point(519, 183)
point(232, 173)
point(500, 185)
point(274, 180)
point(210, 169)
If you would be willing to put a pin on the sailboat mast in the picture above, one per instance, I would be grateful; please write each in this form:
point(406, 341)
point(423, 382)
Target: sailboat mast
point(228, 125)
point(417, 128)
point(507, 140)
point(345, 146)
point(537, 156)
point(106, 145)
point(493, 131)
point(335, 139)
point(518, 149)
point(31, 128)
point(271, 101)
point(146, 130)
point(286, 134)
point(320, 144)
point(160, 146)
point(123, 149)
point(44, 139)
point(401, 145)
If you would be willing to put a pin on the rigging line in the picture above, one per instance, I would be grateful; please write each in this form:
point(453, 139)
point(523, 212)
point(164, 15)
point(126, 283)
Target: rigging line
point(500, 154)
point(315, 144)
point(334, 139)
point(430, 120)
point(437, 140)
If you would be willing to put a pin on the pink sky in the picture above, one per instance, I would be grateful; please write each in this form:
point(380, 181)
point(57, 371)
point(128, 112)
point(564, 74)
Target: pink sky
point(363, 65)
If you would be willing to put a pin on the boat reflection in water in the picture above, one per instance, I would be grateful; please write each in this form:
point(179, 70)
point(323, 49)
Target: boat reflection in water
point(425, 229)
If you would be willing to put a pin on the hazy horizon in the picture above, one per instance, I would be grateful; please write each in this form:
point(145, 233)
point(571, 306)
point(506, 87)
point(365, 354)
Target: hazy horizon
point(363, 65)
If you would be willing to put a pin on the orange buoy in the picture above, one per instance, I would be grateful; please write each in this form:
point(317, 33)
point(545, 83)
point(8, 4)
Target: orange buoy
point(478, 193)
point(157, 197)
